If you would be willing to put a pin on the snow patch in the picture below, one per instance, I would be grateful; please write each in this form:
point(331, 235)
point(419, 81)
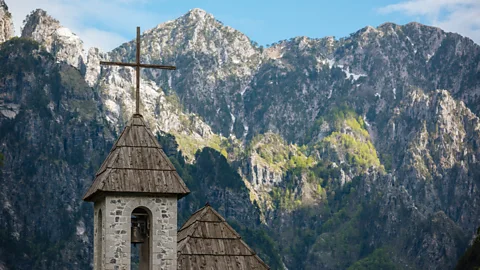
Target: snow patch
point(245, 127)
point(378, 95)
point(110, 120)
point(348, 73)
point(365, 120)
point(429, 56)
point(66, 33)
point(330, 62)
point(242, 92)
point(394, 93)
point(355, 76)
point(80, 228)
point(63, 31)
point(233, 118)
point(408, 38)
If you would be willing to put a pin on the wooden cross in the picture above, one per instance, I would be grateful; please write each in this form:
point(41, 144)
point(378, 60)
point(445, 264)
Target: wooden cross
point(137, 65)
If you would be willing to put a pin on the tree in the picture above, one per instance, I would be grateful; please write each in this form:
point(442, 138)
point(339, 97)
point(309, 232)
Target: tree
point(471, 258)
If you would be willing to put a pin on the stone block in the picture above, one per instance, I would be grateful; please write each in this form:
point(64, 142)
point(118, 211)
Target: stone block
point(116, 230)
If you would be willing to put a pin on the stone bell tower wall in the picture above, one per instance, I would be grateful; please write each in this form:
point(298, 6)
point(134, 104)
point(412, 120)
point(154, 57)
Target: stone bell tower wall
point(98, 234)
point(116, 247)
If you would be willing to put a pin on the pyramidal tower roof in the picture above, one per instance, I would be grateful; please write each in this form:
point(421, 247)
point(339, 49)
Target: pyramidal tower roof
point(207, 241)
point(137, 164)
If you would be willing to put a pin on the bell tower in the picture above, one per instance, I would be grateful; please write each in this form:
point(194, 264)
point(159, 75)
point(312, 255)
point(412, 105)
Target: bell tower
point(135, 195)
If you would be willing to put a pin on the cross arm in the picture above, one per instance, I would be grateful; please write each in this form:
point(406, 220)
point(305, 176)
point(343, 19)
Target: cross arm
point(135, 65)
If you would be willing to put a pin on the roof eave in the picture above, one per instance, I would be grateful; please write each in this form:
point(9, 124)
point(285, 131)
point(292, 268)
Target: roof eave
point(95, 196)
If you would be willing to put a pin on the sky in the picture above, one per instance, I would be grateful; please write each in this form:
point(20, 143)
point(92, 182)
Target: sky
point(107, 24)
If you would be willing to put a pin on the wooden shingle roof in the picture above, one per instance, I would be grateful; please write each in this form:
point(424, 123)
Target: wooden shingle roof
point(137, 164)
point(206, 241)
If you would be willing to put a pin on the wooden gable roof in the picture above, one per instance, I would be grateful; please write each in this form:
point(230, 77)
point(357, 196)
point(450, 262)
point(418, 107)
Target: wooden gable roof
point(206, 241)
point(137, 164)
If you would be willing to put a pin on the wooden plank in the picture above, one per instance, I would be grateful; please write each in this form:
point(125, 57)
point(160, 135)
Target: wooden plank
point(139, 158)
point(151, 181)
point(186, 261)
point(231, 247)
point(210, 244)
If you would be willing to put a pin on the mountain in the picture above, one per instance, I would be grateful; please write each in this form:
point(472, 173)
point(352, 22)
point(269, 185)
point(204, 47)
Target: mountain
point(53, 137)
point(6, 23)
point(360, 152)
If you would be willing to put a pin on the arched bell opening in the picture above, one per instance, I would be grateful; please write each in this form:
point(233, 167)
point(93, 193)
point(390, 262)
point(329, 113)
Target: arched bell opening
point(140, 239)
point(99, 240)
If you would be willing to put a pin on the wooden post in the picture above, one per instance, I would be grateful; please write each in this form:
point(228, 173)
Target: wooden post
point(137, 65)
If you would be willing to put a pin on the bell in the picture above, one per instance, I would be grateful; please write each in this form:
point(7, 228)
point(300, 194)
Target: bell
point(137, 236)
point(140, 226)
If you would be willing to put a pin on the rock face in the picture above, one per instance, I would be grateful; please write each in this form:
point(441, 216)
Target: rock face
point(58, 40)
point(440, 154)
point(92, 69)
point(214, 58)
point(6, 23)
point(362, 151)
point(52, 139)
point(399, 225)
point(261, 175)
point(117, 211)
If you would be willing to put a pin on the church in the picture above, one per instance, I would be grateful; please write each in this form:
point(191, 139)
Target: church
point(135, 194)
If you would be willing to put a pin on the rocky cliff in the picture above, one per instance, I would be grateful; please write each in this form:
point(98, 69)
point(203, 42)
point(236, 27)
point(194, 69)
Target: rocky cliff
point(53, 136)
point(58, 40)
point(6, 23)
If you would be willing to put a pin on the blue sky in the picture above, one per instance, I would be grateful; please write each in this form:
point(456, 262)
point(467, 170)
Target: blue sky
point(108, 23)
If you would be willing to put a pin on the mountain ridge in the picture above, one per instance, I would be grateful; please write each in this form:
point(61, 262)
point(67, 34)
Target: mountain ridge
point(322, 136)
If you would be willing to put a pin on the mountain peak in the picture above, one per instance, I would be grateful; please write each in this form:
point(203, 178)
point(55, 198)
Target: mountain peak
point(3, 4)
point(198, 11)
point(39, 25)
point(387, 25)
point(198, 14)
point(58, 40)
point(6, 24)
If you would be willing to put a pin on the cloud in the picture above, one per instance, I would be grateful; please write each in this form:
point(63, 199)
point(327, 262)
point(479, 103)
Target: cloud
point(459, 16)
point(100, 23)
point(93, 37)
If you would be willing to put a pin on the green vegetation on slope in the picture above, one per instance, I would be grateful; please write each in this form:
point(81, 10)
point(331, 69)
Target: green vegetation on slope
point(357, 154)
point(350, 141)
point(211, 179)
point(379, 260)
point(272, 150)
